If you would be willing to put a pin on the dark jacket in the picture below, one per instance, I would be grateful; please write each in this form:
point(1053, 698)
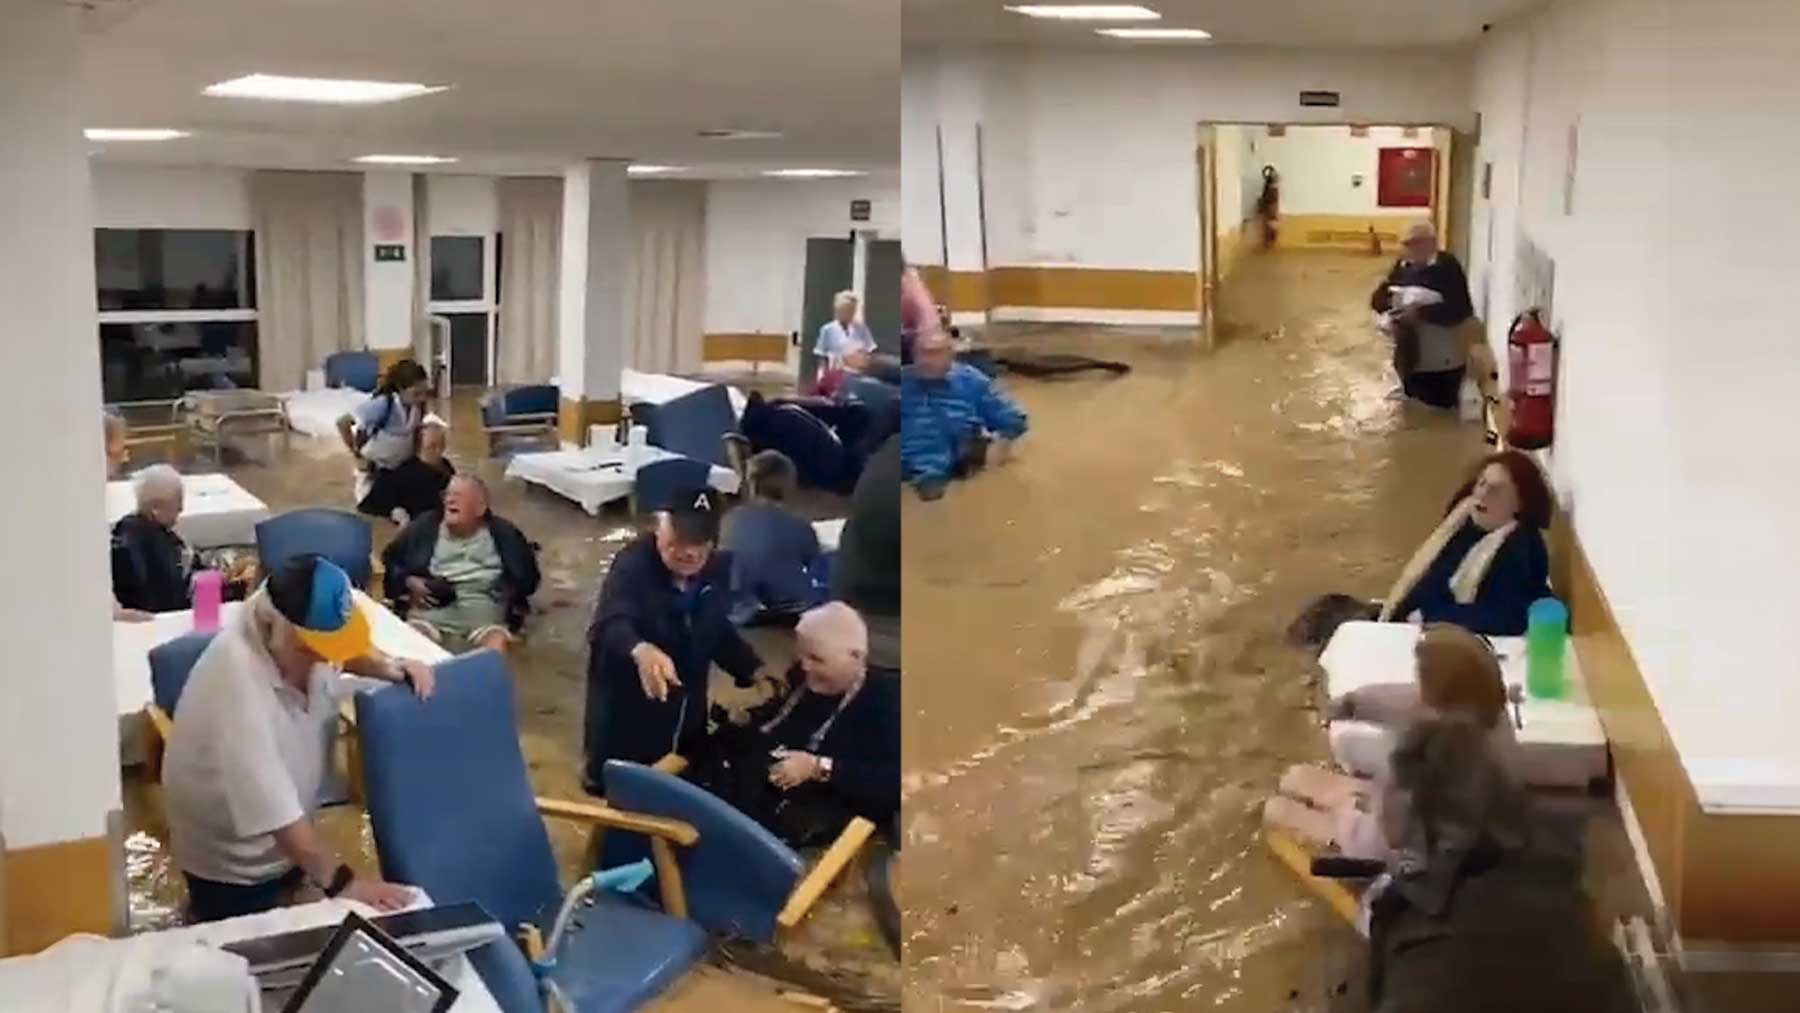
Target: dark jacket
point(1519, 576)
point(639, 602)
point(409, 555)
point(1444, 275)
point(863, 743)
point(867, 572)
point(152, 568)
point(773, 555)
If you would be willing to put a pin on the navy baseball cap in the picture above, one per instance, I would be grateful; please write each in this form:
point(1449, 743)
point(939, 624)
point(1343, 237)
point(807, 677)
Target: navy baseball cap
point(316, 595)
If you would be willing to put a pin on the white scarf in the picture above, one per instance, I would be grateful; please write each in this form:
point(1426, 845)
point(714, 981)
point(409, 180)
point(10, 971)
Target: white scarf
point(1465, 583)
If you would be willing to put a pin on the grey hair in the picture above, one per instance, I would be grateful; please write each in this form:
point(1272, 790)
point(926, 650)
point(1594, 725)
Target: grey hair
point(111, 421)
point(835, 624)
point(1421, 230)
point(157, 483)
point(847, 297)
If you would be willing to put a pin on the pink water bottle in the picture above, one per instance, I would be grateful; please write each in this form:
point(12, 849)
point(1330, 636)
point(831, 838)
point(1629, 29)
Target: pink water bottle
point(209, 589)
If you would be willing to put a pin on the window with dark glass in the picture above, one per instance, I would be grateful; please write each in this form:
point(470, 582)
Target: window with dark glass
point(457, 268)
point(177, 311)
point(174, 269)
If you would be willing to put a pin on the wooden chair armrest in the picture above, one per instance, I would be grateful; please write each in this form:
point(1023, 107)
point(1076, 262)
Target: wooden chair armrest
point(159, 720)
point(831, 865)
point(599, 814)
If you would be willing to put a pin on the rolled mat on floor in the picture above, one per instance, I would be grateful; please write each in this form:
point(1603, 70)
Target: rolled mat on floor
point(1044, 364)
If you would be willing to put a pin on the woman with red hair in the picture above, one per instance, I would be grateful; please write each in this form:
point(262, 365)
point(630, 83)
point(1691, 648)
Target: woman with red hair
point(1487, 561)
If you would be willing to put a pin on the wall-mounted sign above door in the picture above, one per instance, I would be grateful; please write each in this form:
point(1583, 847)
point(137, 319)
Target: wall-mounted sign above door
point(1319, 98)
point(389, 253)
point(861, 210)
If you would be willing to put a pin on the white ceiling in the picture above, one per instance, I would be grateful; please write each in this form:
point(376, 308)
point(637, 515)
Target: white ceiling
point(1309, 23)
point(535, 83)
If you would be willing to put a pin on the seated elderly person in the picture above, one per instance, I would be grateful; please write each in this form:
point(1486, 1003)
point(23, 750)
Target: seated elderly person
point(950, 412)
point(118, 453)
point(774, 551)
point(252, 740)
point(824, 749)
point(153, 569)
point(462, 575)
point(844, 344)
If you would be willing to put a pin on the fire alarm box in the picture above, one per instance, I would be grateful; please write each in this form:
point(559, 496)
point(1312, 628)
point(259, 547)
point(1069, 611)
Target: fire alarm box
point(1407, 177)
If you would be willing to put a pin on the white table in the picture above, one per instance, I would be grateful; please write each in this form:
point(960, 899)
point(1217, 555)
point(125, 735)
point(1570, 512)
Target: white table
point(830, 533)
point(1562, 743)
point(596, 476)
point(215, 510)
point(132, 643)
point(89, 974)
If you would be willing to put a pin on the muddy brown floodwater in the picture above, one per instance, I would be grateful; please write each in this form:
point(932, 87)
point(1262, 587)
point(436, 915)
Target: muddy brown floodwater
point(837, 953)
point(1099, 694)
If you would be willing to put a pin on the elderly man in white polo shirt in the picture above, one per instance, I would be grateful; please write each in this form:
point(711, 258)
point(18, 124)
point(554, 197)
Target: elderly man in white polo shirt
point(252, 740)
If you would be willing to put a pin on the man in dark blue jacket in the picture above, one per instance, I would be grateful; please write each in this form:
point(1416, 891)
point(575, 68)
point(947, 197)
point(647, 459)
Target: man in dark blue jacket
point(663, 619)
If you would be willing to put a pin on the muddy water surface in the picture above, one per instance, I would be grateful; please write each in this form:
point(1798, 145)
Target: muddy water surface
point(1099, 694)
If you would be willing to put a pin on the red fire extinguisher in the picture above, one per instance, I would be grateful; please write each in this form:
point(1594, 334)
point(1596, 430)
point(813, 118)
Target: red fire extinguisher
point(1531, 382)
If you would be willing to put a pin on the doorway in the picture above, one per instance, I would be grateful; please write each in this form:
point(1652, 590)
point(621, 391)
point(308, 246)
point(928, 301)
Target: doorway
point(830, 269)
point(881, 293)
point(464, 273)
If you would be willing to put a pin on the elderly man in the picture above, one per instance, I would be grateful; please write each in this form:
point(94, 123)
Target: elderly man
point(462, 575)
point(251, 741)
point(152, 567)
point(825, 748)
point(1426, 297)
point(844, 343)
point(949, 412)
point(663, 619)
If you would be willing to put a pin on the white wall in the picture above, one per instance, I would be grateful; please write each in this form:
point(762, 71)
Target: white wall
point(1678, 364)
point(150, 197)
point(463, 205)
point(756, 232)
point(1319, 167)
point(388, 285)
point(1233, 146)
point(1090, 156)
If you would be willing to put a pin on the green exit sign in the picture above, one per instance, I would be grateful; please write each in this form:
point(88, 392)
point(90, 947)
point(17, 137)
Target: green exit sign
point(389, 253)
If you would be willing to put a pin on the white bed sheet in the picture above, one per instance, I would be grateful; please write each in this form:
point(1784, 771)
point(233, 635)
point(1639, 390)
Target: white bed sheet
point(658, 388)
point(1562, 743)
point(596, 476)
point(89, 974)
point(315, 413)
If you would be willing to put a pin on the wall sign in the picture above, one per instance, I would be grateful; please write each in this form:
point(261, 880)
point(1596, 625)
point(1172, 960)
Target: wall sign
point(386, 253)
point(861, 210)
point(388, 223)
point(1319, 98)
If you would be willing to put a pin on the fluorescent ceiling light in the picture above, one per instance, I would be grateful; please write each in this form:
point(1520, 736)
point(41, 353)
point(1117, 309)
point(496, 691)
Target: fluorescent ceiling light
point(132, 134)
point(654, 170)
point(1188, 34)
point(405, 160)
point(732, 134)
point(331, 91)
point(1086, 12)
point(811, 173)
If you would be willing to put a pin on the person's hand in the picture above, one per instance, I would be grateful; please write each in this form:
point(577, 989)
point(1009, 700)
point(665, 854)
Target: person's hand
point(379, 894)
point(1000, 451)
point(931, 488)
point(424, 680)
point(1417, 618)
point(793, 768)
point(420, 591)
point(656, 671)
point(123, 614)
point(856, 361)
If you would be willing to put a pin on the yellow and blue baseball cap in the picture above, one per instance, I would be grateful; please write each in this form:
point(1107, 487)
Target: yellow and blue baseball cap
point(316, 595)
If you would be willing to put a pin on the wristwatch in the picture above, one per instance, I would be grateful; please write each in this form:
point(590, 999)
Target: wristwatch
point(340, 881)
point(824, 768)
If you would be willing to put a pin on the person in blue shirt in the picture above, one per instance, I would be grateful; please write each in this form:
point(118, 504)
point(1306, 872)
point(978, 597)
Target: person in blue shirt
point(774, 551)
point(949, 411)
point(844, 344)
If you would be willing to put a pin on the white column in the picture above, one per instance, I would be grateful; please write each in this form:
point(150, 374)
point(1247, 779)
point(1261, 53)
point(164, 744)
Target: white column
point(596, 254)
point(59, 748)
point(388, 284)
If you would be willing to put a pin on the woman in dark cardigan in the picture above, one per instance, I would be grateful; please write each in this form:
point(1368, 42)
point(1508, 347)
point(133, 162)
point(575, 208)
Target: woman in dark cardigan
point(1487, 561)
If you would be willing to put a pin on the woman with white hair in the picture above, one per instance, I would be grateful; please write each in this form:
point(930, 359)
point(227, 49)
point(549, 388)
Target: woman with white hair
point(152, 567)
point(824, 749)
point(845, 343)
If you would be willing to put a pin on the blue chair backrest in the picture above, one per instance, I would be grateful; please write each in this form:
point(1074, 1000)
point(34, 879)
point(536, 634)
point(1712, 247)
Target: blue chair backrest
point(695, 424)
point(821, 461)
point(343, 538)
point(738, 876)
point(171, 662)
point(448, 796)
point(533, 399)
point(361, 370)
point(657, 484)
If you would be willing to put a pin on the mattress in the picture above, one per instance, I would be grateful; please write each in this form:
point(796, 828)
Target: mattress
point(1561, 742)
point(660, 388)
point(594, 477)
point(315, 413)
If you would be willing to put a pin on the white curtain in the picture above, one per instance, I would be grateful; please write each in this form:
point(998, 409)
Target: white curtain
point(531, 273)
point(421, 311)
point(309, 271)
point(666, 287)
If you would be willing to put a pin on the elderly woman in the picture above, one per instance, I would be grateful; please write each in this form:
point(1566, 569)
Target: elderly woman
point(1458, 679)
point(1426, 300)
point(844, 343)
point(152, 567)
point(1486, 562)
point(825, 748)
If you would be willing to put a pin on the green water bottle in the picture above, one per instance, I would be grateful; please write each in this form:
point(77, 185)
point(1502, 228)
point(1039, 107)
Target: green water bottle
point(1546, 641)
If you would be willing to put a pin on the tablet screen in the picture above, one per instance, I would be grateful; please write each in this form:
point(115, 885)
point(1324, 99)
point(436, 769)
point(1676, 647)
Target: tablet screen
point(363, 969)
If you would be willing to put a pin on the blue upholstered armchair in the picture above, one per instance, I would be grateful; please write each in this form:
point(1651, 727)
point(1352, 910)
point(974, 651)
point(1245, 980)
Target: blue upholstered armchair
point(344, 538)
point(360, 370)
point(453, 813)
point(520, 412)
